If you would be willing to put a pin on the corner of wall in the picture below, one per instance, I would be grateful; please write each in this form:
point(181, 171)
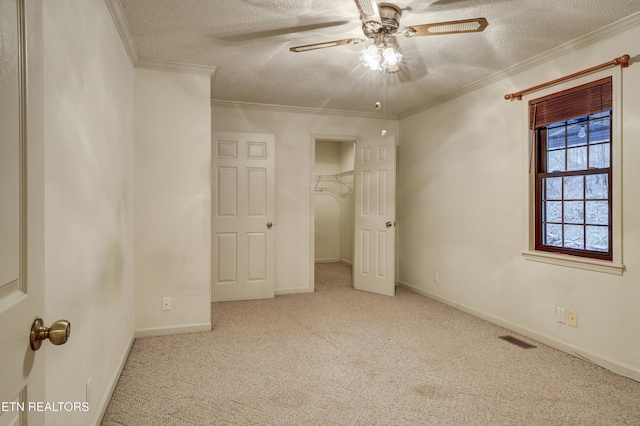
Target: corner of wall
point(172, 200)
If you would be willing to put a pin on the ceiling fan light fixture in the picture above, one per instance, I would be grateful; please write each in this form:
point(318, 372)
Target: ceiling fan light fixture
point(380, 57)
point(391, 57)
point(370, 57)
point(381, 22)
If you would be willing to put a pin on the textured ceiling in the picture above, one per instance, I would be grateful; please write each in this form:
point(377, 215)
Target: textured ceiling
point(249, 40)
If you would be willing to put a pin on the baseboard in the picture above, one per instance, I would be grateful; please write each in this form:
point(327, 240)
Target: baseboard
point(104, 402)
point(547, 340)
point(331, 260)
point(283, 291)
point(336, 260)
point(179, 329)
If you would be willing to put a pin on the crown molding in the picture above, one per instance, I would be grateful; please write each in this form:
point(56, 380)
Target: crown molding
point(155, 65)
point(591, 38)
point(152, 64)
point(300, 110)
point(117, 14)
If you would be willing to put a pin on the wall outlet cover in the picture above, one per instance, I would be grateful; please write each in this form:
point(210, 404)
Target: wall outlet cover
point(166, 303)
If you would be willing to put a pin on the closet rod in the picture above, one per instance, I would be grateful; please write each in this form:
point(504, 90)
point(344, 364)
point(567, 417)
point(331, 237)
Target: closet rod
point(347, 173)
point(623, 61)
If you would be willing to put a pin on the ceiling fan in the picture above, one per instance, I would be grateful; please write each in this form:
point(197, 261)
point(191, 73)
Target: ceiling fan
point(381, 22)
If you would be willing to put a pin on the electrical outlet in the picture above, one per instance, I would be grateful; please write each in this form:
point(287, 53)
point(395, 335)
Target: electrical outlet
point(560, 315)
point(166, 303)
point(88, 390)
point(572, 318)
point(436, 278)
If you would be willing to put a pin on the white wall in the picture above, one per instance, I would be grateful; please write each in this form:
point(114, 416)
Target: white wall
point(463, 174)
point(89, 265)
point(294, 181)
point(172, 201)
point(327, 203)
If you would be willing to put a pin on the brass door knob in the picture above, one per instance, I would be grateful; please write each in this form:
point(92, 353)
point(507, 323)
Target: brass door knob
point(58, 333)
point(269, 224)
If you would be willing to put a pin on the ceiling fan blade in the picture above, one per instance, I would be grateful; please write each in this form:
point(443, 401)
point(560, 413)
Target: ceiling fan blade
point(327, 44)
point(369, 13)
point(236, 37)
point(475, 25)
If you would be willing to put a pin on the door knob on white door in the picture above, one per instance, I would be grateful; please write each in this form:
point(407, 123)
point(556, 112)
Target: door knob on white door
point(58, 333)
point(269, 224)
point(389, 224)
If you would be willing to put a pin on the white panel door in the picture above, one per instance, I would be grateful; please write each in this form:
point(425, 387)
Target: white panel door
point(21, 220)
point(243, 185)
point(375, 231)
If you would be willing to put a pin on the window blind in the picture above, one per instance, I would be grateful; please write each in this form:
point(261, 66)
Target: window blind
point(582, 100)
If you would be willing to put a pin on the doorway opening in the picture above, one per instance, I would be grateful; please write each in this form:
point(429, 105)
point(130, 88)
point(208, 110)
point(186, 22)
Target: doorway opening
point(334, 212)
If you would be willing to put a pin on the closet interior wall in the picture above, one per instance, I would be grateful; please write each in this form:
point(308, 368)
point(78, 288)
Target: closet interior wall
point(334, 201)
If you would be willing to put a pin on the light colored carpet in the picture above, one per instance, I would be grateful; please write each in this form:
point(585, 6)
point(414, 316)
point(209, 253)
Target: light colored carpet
point(344, 357)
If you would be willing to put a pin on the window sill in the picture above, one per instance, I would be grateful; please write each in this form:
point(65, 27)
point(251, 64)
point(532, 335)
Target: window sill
point(575, 262)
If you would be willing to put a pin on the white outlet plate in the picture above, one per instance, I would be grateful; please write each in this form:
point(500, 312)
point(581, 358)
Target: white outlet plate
point(561, 315)
point(166, 303)
point(88, 390)
point(436, 277)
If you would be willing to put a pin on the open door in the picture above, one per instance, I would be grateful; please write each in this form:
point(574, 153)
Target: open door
point(21, 210)
point(375, 231)
point(243, 208)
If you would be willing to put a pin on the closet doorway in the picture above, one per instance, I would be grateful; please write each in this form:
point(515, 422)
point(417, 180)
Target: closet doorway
point(333, 203)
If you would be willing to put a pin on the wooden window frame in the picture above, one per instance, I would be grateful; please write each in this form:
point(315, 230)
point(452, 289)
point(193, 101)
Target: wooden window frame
point(541, 174)
point(564, 111)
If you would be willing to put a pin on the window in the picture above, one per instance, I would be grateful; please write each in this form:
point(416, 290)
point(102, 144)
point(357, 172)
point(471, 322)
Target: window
point(573, 171)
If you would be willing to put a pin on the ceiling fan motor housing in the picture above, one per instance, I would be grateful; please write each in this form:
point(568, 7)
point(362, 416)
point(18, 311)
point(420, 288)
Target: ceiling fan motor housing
point(390, 17)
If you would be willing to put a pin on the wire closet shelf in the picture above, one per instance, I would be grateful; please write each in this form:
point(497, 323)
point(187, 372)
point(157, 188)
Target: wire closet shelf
point(340, 188)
